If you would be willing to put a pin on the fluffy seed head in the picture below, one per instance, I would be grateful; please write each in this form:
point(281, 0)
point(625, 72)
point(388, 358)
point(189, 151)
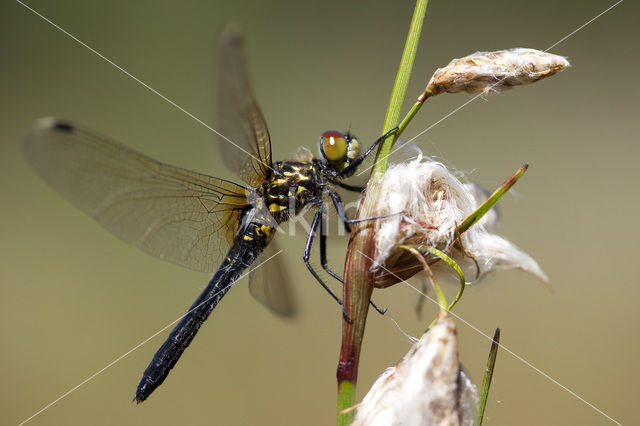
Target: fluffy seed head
point(434, 202)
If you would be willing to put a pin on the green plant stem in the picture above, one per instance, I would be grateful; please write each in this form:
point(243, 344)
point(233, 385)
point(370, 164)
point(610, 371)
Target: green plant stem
point(358, 284)
point(346, 400)
point(403, 125)
point(407, 119)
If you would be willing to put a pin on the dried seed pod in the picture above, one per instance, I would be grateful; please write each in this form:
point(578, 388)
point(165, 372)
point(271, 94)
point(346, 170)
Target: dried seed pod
point(485, 72)
point(427, 387)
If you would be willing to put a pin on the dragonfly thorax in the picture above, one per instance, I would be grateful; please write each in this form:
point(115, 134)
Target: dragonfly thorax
point(291, 187)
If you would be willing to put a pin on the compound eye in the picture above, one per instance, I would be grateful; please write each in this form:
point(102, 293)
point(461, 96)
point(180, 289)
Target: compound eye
point(334, 145)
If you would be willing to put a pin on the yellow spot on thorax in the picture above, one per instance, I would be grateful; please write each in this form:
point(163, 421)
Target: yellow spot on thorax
point(276, 208)
point(266, 229)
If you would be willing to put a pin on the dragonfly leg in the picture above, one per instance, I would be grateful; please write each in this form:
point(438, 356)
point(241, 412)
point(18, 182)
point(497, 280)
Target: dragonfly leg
point(355, 163)
point(307, 254)
point(337, 202)
point(325, 263)
point(348, 187)
point(323, 251)
point(380, 311)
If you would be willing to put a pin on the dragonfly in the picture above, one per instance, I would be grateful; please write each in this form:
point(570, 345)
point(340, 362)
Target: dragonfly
point(196, 220)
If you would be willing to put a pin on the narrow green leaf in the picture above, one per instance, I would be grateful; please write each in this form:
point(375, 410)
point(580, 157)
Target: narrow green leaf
point(488, 374)
point(455, 267)
point(486, 206)
point(400, 86)
point(413, 249)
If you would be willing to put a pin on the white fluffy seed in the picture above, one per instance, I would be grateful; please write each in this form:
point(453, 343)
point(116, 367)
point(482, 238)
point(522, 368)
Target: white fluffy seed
point(434, 202)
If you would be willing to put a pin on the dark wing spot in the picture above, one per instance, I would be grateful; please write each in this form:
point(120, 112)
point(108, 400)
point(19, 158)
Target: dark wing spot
point(64, 127)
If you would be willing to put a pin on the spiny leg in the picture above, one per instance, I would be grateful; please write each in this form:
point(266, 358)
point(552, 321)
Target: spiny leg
point(325, 265)
point(337, 202)
point(348, 187)
point(307, 254)
point(323, 251)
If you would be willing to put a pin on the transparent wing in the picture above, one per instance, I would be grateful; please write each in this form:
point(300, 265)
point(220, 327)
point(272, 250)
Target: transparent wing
point(177, 215)
point(269, 283)
point(246, 147)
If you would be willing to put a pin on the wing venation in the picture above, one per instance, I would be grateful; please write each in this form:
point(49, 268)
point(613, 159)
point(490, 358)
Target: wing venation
point(177, 215)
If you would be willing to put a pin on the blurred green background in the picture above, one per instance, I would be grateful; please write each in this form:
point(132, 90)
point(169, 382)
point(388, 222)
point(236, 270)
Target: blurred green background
point(73, 298)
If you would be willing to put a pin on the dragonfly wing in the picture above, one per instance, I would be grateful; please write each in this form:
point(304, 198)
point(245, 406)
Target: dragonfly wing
point(175, 214)
point(246, 146)
point(269, 283)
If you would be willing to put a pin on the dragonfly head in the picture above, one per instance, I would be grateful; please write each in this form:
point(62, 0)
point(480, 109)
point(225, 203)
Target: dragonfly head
point(338, 149)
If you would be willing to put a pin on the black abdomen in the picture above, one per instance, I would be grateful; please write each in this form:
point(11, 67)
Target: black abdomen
point(246, 248)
